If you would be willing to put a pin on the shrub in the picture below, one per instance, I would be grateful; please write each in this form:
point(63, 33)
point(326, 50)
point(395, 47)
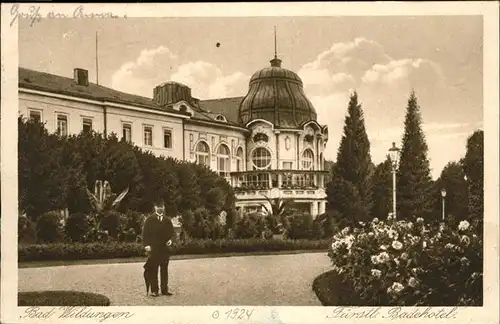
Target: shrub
point(300, 227)
point(79, 227)
point(135, 220)
point(128, 236)
point(410, 264)
point(114, 223)
point(79, 251)
point(49, 227)
point(26, 231)
point(114, 249)
point(61, 298)
point(201, 224)
point(249, 226)
point(326, 225)
point(331, 292)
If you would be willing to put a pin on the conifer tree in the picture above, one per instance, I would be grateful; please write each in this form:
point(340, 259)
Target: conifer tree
point(452, 180)
point(354, 165)
point(414, 182)
point(473, 165)
point(382, 190)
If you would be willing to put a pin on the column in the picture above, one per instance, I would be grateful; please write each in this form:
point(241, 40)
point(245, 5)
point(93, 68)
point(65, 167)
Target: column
point(314, 209)
point(322, 207)
point(280, 180)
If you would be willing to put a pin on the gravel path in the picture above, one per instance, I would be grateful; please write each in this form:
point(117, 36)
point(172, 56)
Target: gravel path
point(270, 280)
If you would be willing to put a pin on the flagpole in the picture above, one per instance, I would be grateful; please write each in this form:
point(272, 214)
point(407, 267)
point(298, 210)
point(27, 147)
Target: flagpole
point(275, 45)
point(97, 57)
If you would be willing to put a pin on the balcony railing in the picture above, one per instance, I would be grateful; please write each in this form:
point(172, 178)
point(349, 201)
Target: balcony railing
point(281, 179)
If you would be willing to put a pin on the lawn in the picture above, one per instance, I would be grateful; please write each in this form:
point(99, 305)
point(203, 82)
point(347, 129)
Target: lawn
point(61, 298)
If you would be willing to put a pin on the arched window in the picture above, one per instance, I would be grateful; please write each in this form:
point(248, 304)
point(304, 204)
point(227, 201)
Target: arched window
point(223, 161)
point(239, 159)
point(220, 118)
point(321, 162)
point(261, 158)
point(203, 154)
point(307, 159)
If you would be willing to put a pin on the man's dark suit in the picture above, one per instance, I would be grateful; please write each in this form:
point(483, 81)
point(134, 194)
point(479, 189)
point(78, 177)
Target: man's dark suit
point(156, 234)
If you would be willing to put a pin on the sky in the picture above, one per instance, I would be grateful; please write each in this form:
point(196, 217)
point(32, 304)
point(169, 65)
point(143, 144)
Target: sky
point(382, 58)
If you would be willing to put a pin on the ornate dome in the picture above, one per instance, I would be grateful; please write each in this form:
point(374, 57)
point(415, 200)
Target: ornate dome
point(276, 94)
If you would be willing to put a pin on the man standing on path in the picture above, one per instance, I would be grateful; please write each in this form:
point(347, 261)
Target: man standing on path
point(157, 235)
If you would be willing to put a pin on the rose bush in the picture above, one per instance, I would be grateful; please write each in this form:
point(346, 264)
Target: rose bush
point(410, 263)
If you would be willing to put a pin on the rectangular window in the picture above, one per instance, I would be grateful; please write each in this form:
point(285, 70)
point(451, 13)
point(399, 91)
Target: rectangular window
point(257, 181)
point(223, 165)
point(202, 159)
point(167, 138)
point(62, 125)
point(35, 116)
point(253, 209)
point(287, 165)
point(87, 125)
point(148, 135)
point(127, 133)
point(287, 180)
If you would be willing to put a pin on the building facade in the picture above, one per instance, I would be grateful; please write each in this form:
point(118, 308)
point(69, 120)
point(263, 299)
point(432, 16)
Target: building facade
point(266, 144)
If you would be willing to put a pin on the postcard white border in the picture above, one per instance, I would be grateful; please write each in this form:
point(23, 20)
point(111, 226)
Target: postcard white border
point(9, 37)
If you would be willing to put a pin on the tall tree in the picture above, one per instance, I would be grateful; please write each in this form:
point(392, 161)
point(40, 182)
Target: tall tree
point(452, 180)
point(43, 177)
point(77, 200)
point(189, 189)
point(473, 165)
point(329, 166)
point(382, 190)
point(343, 198)
point(414, 187)
point(354, 164)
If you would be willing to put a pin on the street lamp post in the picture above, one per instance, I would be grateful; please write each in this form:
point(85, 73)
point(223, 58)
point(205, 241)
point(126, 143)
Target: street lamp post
point(443, 195)
point(394, 157)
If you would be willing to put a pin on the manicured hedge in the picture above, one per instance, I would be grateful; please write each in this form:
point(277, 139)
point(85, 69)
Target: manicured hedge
point(330, 290)
point(110, 250)
point(61, 298)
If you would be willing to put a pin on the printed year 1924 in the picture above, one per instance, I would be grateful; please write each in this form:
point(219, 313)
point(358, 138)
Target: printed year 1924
point(234, 314)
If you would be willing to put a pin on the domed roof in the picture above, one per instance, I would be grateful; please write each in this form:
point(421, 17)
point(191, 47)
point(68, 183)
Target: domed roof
point(277, 95)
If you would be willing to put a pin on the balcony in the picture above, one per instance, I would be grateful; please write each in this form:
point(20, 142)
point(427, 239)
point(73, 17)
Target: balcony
point(284, 183)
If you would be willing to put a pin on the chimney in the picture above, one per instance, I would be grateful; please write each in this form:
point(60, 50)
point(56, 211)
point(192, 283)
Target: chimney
point(81, 77)
point(170, 93)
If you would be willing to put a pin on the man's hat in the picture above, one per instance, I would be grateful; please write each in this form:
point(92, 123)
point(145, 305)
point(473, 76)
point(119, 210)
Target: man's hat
point(158, 201)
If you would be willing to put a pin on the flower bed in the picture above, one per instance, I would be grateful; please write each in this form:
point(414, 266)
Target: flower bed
point(110, 250)
point(407, 264)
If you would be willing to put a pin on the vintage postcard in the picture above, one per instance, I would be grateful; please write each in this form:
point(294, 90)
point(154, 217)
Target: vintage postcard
point(250, 162)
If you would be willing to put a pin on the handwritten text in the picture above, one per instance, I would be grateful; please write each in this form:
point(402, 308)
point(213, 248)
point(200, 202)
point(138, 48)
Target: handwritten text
point(74, 313)
point(394, 313)
point(34, 14)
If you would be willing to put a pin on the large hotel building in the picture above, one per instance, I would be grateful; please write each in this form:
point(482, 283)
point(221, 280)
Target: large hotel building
point(266, 144)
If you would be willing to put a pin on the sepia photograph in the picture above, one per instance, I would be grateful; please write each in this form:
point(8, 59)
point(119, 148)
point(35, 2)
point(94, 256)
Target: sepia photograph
point(258, 161)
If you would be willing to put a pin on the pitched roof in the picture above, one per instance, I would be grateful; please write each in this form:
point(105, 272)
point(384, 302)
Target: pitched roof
point(223, 106)
point(42, 81)
point(207, 109)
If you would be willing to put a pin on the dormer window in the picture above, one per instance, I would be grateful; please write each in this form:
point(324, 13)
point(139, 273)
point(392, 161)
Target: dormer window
point(220, 118)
